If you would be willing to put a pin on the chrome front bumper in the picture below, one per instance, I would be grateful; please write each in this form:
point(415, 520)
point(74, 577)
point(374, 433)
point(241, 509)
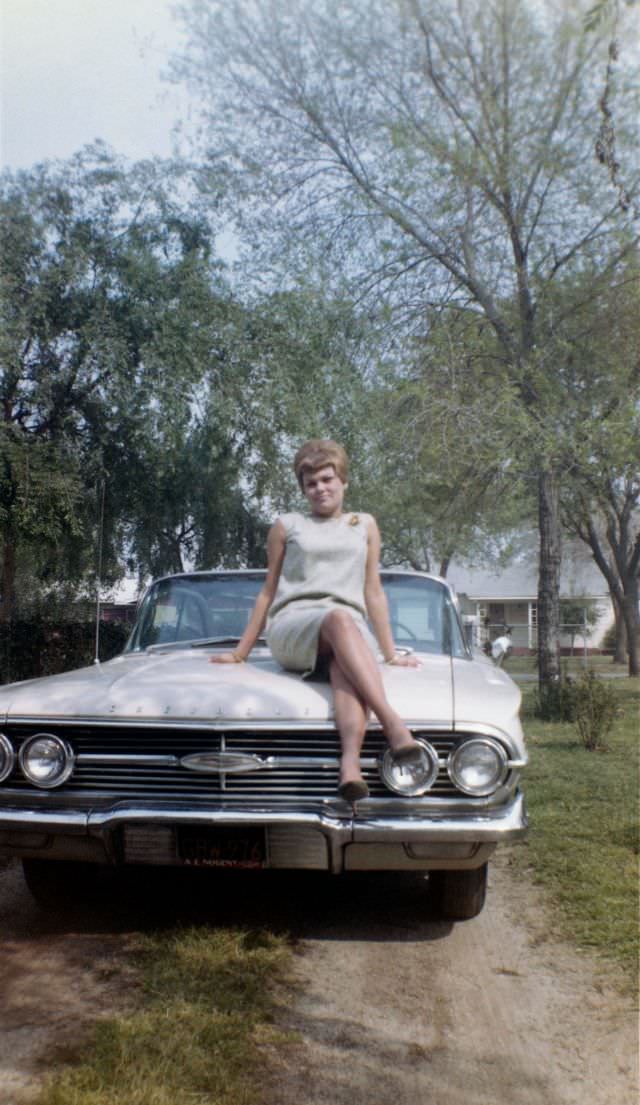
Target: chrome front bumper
point(314, 839)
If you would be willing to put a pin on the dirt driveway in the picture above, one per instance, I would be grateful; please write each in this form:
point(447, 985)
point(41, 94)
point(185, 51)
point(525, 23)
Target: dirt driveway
point(391, 1006)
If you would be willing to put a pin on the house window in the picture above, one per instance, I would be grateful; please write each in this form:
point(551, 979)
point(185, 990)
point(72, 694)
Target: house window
point(533, 607)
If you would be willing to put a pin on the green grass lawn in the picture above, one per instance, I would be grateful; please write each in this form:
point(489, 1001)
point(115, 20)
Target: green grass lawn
point(204, 1015)
point(573, 665)
point(584, 839)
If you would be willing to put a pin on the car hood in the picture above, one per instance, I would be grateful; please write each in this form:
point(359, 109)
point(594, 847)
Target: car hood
point(182, 685)
point(486, 699)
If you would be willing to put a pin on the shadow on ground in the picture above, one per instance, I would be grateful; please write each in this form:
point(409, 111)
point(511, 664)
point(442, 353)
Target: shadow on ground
point(304, 905)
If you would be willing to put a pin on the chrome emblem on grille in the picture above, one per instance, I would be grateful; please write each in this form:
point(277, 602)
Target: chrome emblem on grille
point(224, 763)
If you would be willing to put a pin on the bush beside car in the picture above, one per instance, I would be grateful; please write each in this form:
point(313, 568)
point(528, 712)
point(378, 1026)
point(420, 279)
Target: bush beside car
point(29, 649)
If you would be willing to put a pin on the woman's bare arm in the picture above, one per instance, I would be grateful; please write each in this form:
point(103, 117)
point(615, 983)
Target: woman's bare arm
point(276, 544)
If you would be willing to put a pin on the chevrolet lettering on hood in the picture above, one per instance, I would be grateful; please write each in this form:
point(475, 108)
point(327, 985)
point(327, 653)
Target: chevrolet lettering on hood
point(159, 757)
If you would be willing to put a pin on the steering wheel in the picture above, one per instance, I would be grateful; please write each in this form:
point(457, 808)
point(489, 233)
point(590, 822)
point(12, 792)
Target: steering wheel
point(404, 629)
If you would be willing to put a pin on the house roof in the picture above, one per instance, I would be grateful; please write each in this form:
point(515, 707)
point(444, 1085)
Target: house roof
point(579, 577)
point(126, 591)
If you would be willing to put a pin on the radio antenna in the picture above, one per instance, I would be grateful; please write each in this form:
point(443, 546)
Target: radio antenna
point(96, 659)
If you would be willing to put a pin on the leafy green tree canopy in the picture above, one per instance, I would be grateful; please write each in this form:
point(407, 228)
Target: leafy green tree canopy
point(104, 277)
point(140, 398)
point(437, 152)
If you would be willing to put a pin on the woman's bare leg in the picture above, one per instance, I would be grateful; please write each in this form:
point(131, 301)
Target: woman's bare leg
point(351, 720)
point(340, 637)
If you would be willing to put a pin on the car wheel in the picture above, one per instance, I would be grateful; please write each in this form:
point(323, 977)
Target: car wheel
point(459, 895)
point(55, 882)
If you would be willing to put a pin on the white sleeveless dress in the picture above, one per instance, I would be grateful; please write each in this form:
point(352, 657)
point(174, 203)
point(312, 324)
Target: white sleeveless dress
point(323, 569)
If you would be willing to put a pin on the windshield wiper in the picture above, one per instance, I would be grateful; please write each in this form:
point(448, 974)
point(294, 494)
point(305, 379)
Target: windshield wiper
point(199, 643)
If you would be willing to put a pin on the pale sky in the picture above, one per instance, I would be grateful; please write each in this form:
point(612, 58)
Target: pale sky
point(75, 70)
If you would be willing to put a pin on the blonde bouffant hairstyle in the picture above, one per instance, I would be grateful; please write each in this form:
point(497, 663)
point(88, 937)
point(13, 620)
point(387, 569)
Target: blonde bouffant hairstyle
point(319, 453)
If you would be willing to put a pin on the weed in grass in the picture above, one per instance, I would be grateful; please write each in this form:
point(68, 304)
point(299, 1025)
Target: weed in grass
point(587, 701)
point(596, 707)
point(208, 997)
point(626, 836)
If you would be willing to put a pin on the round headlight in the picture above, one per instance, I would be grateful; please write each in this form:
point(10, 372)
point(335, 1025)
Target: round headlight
point(7, 757)
point(46, 760)
point(410, 778)
point(478, 766)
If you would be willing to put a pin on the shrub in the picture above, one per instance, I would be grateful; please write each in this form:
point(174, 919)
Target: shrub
point(32, 648)
point(556, 701)
point(595, 706)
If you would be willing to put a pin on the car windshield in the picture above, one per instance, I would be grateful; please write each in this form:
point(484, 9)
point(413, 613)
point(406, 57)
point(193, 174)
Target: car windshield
point(191, 609)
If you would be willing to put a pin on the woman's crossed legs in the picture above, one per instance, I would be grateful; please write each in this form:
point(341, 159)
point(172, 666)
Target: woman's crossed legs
point(357, 688)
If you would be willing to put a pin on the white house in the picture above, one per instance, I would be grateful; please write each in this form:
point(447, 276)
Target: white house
point(491, 599)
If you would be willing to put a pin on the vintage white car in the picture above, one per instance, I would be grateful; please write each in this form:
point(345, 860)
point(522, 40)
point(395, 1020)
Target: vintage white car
point(160, 757)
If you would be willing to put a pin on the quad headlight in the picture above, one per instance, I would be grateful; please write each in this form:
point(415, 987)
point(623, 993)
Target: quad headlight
point(46, 760)
point(478, 766)
point(7, 757)
point(410, 778)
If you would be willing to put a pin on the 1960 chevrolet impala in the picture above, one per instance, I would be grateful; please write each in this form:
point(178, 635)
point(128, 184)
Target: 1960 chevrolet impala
point(159, 757)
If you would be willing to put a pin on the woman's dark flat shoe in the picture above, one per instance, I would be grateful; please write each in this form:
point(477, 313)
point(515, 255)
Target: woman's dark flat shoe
point(408, 753)
point(354, 791)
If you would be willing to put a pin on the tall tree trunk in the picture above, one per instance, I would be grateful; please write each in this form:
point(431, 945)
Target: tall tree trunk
point(621, 574)
point(620, 646)
point(444, 566)
point(632, 624)
point(549, 578)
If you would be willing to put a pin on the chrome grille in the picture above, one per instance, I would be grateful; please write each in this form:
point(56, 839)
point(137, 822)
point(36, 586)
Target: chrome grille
point(143, 761)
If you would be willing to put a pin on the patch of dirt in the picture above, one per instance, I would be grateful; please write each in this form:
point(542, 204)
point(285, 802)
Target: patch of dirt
point(389, 1005)
point(492, 1012)
point(57, 977)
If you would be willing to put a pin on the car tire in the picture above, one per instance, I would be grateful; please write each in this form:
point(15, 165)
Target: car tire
point(459, 895)
point(54, 883)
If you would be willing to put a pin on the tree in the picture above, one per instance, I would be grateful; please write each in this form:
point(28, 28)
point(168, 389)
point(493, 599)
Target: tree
point(104, 278)
point(145, 408)
point(440, 152)
point(281, 368)
point(609, 13)
point(609, 523)
point(601, 493)
point(448, 484)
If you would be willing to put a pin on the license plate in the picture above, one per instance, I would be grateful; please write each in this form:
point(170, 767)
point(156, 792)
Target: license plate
point(210, 846)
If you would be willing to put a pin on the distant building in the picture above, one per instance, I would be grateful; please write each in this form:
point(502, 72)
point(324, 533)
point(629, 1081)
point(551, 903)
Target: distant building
point(120, 603)
point(492, 599)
